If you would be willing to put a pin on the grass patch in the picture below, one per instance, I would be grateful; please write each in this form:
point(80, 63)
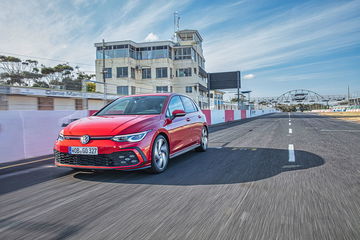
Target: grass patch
point(347, 116)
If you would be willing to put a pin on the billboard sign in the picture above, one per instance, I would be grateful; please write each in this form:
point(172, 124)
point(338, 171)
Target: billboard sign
point(224, 80)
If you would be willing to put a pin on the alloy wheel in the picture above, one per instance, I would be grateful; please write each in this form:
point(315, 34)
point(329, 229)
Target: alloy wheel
point(161, 153)
point(204, 139)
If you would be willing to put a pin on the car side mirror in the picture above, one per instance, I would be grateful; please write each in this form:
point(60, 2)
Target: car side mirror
point(178, 113)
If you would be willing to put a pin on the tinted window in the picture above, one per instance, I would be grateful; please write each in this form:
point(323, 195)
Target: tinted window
point(175, 104)
point(188, 104)
point(146, 105)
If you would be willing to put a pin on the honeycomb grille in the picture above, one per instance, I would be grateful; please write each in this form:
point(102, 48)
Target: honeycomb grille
point(122, 158)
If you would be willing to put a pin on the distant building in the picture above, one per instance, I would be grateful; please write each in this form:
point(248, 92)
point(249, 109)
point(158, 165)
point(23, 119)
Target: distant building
point(27, 98)
point(150, 67)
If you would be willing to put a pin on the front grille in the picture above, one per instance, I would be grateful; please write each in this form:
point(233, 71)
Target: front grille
point(122, 158)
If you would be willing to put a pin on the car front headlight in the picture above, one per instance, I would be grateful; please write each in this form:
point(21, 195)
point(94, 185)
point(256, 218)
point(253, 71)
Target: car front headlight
point(61, 136)
point(135, 137)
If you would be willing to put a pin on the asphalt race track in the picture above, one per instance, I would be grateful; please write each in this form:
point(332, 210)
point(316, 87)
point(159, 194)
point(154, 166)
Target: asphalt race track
point(248, 185)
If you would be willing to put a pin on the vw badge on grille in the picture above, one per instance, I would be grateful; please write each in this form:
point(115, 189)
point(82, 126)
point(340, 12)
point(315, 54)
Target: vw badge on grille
point(85, 139)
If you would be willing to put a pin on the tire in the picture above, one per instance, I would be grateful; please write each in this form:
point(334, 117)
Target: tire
point(203, 141)
point(160, 155)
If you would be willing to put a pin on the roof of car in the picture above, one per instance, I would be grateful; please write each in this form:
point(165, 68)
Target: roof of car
point(152, 94)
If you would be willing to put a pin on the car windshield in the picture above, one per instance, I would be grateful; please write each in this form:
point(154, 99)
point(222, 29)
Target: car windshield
point(144, 105)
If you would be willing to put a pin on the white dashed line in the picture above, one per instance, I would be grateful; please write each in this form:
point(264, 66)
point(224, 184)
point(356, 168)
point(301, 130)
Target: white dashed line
point(291, 153)
point(289, 123)
point(290, 130)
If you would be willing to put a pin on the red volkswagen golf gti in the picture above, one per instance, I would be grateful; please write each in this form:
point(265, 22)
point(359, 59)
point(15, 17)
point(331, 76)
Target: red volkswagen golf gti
point(134, 132)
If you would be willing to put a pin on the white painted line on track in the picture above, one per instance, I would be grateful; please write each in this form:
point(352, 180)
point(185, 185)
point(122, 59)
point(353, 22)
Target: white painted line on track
point(339, 130)
point(20, 164)
point(290, 130)
point(289, 123)
point(291, 153)
point(24, 171)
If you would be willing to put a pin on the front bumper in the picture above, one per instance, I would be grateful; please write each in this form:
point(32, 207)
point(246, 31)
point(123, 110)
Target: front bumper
point(123, 159)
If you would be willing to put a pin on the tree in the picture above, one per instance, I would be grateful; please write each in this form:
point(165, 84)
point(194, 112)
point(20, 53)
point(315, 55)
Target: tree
point(90, 87)
point(56, 75)
point(14, 71)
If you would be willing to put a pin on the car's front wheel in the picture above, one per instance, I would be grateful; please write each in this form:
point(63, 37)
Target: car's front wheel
point(160, 154)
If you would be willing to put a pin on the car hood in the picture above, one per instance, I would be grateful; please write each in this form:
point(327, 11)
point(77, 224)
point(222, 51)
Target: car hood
point(110, 125)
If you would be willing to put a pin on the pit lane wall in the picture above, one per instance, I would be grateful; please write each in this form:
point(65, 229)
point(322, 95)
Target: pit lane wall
point(28, 134)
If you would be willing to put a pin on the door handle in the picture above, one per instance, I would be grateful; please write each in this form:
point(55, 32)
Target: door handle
point(188, 119)
point(199, 116)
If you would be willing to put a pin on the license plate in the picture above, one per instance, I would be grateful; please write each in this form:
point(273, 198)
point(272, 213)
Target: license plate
point(83, 150)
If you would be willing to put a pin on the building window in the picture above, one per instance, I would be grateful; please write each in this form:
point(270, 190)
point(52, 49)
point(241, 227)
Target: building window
point(45, 103)
point(161, 89)
point(183, 72)
point(161, 72)
point(133, 73)
point(133, 90)
point(123, 90)
point(146, 73)
point(122, 72)
point(171, 88)
point(188, 89)
point(78, 104)
point(159, 52)
point(171, 73)
point(108, 72)
point(183, 53)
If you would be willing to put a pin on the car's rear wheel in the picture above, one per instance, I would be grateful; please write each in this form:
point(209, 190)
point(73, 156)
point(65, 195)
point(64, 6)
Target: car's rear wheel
point(160, 154)
point(203, 141)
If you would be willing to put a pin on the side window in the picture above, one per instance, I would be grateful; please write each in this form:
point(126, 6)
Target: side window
point(175, 104)
point(195, 106)
point(188, 104)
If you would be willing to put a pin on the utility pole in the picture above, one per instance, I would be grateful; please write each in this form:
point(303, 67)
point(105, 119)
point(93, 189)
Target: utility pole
point(238, 90)
point(103, 70)
point(349, 95)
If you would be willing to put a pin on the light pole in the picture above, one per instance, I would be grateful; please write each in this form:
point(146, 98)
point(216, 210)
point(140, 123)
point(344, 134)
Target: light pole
point(103, 70)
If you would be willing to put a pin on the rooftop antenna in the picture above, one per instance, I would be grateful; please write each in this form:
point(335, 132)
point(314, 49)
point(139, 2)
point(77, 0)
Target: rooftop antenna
point(176, 23)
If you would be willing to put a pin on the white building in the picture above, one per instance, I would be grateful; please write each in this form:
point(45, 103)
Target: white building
point(149, 67)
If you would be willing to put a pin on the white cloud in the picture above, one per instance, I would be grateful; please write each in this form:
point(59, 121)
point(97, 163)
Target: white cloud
point(54, 30)
point(301, 32)
point(151, 37)
point(249, 76)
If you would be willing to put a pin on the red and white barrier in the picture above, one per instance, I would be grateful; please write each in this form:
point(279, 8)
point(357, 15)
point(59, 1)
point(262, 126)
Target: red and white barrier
point(221, 116)
point(27, 134)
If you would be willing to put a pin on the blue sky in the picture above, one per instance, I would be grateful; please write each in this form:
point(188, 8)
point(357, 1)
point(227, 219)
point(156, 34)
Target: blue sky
point(278, 45)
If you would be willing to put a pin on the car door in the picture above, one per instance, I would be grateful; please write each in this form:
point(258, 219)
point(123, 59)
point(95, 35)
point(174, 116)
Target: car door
point(177, 128)
point(193, 120)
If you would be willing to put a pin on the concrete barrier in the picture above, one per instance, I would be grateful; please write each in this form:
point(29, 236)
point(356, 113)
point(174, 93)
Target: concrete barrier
point(26, 134)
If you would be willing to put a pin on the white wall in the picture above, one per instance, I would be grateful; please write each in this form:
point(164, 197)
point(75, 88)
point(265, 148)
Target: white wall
point(64, 104)
point(22, 103)
point(237, 114)
point(217, 116)
point(95, 104)
point(26, 134)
